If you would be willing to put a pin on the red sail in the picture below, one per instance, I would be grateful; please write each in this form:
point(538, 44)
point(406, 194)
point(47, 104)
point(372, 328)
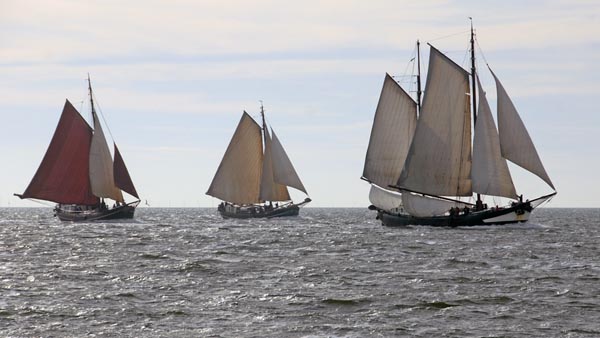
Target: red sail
point(122, 178)
point(63, 175)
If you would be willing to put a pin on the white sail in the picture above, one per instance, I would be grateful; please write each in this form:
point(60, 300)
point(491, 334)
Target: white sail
point(439, 159)
point(391, 135)
point(101, 166)
point(238, 177)
point(421, 206)
point(269, 190)
point(490, 172)
point(515, 142)
point(384, 199)
point(283, 170)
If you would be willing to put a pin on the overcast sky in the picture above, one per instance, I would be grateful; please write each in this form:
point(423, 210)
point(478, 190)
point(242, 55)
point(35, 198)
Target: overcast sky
point(173, 77)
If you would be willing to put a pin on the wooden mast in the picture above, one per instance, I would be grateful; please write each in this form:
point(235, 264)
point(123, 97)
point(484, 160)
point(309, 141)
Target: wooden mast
point(419, 92)
point(474, 86)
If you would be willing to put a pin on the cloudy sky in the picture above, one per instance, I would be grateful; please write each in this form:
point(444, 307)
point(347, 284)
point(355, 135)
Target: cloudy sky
point(173, 77)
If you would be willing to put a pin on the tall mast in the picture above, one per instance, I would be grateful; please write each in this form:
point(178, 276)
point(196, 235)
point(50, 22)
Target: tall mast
point(473, 83)
point(262, 114)
point(419, 76)
point(91, 96)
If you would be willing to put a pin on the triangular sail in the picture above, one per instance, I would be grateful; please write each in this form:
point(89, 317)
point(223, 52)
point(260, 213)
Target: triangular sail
point(439, 159)
point(269, 190)
point(237, 179)
point(384, 199)
point(490, 172)
point(283, 170)
point(101, 166)
point(62, 177)
point(515, 142)
point(391, 134)
point(122, 178)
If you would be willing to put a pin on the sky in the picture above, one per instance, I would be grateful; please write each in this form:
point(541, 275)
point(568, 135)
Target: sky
point(172, 79)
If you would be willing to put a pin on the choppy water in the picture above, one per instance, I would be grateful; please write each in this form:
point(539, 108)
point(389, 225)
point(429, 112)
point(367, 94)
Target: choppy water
point(327, 273)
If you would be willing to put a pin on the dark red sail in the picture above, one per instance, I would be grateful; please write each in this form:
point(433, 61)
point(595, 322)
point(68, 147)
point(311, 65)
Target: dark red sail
point(122, 178)
point(63, 175)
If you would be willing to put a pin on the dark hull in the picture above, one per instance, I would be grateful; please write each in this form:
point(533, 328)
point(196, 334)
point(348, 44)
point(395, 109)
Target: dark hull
point(510, 215)
point(256, 212)
point(98, 214)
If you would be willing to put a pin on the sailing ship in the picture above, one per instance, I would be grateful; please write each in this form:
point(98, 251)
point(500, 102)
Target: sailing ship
point(78, 172)
point(253, 182)
point(421, 163)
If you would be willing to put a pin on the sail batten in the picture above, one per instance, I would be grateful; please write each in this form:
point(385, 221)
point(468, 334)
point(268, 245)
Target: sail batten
point(490, 172)
point(439, 158)
point(237, 179)
point(62, 176)
point(515, 143)
point(391, 135)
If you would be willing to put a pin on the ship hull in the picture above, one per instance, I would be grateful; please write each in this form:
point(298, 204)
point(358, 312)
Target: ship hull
point(289, 210)
point(71, 214)
point(496, 216)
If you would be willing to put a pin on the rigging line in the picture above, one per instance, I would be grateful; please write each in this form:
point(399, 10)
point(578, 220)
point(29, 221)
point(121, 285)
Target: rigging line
point(103, 119)
point(447, 36)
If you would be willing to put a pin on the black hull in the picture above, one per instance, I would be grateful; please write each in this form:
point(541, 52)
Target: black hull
point(262, 212)
point(99, 214)
point(510, 215)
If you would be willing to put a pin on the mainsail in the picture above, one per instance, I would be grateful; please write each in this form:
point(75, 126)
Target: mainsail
point(391, 134)
point(237, 179)
point(515, 142)
point(439, 159)
point(490, 172)
point(62, 177)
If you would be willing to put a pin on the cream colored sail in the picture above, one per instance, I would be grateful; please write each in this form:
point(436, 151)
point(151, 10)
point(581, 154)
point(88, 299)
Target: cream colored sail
point(385, 199)
point(101, 166)
point(439, 159)
point(283, 170)
point(515, 142)
point(421, 206)
point(490, 172)
point(269, 190)
point(238, 177)
point(391, 134)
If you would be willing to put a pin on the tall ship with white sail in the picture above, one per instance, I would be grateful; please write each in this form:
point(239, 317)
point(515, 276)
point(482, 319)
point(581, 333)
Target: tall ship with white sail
point(79, 174)
point(253, 181)
point(424, 166)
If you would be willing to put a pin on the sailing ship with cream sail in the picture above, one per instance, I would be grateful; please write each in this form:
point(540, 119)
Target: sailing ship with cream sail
point(422, 162)
point(78, 172)
point(253, 182)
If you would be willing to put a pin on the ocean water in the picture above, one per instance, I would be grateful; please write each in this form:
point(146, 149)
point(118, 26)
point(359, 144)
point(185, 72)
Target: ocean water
point(328, 273)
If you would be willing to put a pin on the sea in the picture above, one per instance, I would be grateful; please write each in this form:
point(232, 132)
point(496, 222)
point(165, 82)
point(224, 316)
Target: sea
point(331, 272)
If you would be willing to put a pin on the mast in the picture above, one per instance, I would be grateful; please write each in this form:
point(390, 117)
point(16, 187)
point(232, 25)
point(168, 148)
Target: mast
point(264, 124)
point(419, 92)
point(91, 96)
point(473, 85)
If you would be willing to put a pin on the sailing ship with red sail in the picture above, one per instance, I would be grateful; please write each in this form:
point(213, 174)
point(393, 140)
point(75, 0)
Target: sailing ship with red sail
point(79, 174)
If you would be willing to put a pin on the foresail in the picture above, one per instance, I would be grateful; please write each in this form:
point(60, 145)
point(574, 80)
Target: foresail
point(385, 199)
point(283, 170)
point(122, 178)
point(439, 158)
point(62, 177)
point(269, 190)
point(515, 142)
point(237, 179)
point(421, 206)
point(490, 172)
point(101, 166)
point(391, 134)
